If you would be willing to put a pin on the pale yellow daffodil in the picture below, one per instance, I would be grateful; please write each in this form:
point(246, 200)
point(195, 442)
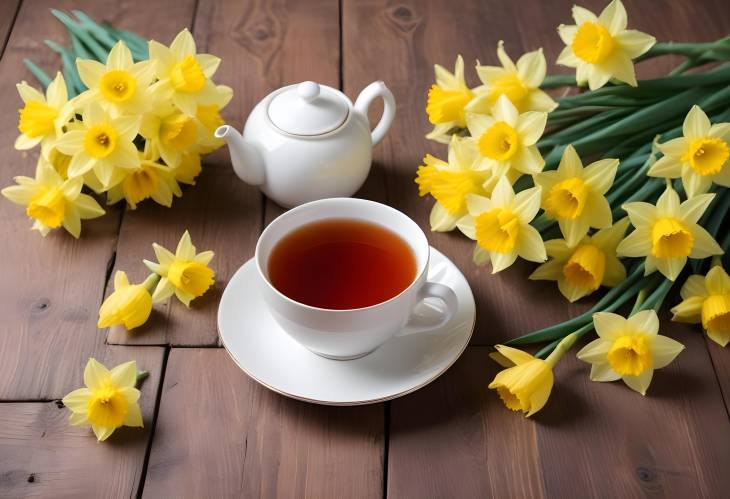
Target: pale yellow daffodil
point(120, 86)
point(527, 381)
point(185, 273)
point(53, 202)
point(507, 140)
point(109, 400)
point(628, 349)
point(170, 133)
point(706, 300)
point(501, 226)
point(129, 305)
point(574, 195)
point(209, 119)
point(103, 144)
point(188, 169)
point(447, 100)
point(700, 157)
point(520, 83)
point(184, 75)
point(582, 269)
point(450, 182)
point(668, 233)
point(149, 180)
point(601, 48)
point(42, 116)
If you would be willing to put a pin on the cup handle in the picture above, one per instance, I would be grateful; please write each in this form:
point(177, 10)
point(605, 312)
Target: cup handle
point(441, 292)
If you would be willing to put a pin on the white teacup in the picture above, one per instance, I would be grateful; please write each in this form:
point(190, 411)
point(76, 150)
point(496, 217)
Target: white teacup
point(349, 334)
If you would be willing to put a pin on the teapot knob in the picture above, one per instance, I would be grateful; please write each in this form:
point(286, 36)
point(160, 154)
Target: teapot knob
point(308, 90)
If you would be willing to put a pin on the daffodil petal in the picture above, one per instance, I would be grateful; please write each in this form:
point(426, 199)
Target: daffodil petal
point(516, 356)
point(704, 244)
point(95, 374)
point(696, 124)
point(78, 400)
point(717, 281)
point(530, 245)
point(602, 372)
point(441, 220)
point(608, 324)
point(571, 291)
point(688, 310)
point(666, 167)
point(501, 261)
point(694, 286)
point(595, 351)
point(641, 382)
point(634, 43)
point(133, 417)
point(548, 271)
point(102, 432)
point(531, 68)
point(614, 17)
point(125, 374)
point(530, 126)
point(645, 321)
point(671, 267)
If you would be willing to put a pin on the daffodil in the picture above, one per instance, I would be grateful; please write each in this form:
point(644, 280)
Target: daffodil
point(501, 226)
point(149, 180)
point(527, 382)
point(520, 83)
point(574, 195)
point(183, 75)
point(582, 269)
point(700, 157)
point(109, 400)
point(185, 273)
point(668, 233)
point(103, 144)
point(706, 300)
point(120, 86)
point(129, 305)
point(628, 349)
point(170, 133)
point(209, 119)
point(59, 161)
point(447, 100)
point(188, 169)
point(507, 140)
point(42, 116)
point(601, 48)
point(450, 182)
point(53, 202)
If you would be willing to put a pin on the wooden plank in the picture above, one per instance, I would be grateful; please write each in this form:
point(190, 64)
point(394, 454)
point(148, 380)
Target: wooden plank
point(455, 438)
point(51, 288)
point(41, 455)
point(415, 35)
point(264, 45)
point(8, 9)
point(220, 434)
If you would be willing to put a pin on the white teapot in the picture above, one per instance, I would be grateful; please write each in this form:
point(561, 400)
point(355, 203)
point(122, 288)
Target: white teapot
point(308, 141)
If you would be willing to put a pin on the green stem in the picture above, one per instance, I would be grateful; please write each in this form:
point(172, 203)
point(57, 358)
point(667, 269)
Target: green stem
point(150, 282)
point(640, 298)
point(560, 350)
point(40, 75)
point(141, 376)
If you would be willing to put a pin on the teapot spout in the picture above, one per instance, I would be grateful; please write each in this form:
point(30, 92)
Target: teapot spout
point(246, 159)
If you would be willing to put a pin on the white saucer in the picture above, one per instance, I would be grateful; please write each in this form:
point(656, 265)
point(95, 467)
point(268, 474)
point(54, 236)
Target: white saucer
point(402, 365)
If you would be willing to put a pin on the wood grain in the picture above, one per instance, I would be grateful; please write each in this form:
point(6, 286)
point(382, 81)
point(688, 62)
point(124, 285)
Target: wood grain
point(220, 434)
point(52, 287)
point(264, 45)
point(41, 455)
point(8, 9)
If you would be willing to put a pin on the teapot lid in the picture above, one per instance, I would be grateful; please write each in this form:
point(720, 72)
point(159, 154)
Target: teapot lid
point(307, 109)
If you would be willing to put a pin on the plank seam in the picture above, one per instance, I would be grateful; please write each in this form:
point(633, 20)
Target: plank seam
point(717, 377)
point(10, 30)
point(153, 426)
point(386, 446)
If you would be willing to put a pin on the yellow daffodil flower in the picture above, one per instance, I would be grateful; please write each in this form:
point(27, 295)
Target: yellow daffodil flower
point(209, 119)
point(183, 75)
point(109, 401)
point(42, 116)
point(129, 304)
point(449, 183)
point(170, 133)
point(520, 83)
point(103, 144)
point(149, 180)
point(120, 86)
point(188, 169)
point(706, 300)
point(601, 47)
point(447, 99)
point(628, 349)
point(668, 233)
point(582, 269)
point(574, 196)
point(59, 161)
point(501, 226)
point(185, 273)
point(53, 202)
point(527, 381)
point(700, 157)
point(507, 140)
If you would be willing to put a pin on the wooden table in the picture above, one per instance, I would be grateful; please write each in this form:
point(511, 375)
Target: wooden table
point(210, 431)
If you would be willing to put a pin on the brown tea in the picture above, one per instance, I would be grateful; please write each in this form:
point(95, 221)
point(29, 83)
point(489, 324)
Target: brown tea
point(341, 264)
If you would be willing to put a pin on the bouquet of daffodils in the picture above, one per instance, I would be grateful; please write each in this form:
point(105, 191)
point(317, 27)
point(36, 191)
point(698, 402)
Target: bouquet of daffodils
point(616, 186)
point(125, 118)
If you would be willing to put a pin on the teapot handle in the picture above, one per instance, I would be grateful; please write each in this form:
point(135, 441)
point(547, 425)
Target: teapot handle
point(366, 97)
